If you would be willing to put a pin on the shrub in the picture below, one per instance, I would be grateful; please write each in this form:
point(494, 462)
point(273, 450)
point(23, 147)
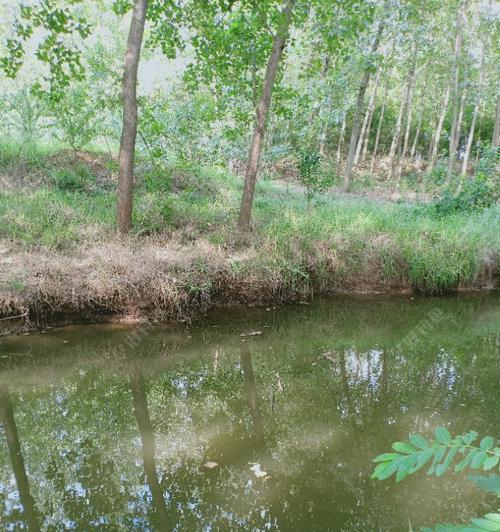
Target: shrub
point(310, 176)
point(78, 179)
point(477, 193)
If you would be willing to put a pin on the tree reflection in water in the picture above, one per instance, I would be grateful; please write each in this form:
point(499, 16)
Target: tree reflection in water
point(120, 442)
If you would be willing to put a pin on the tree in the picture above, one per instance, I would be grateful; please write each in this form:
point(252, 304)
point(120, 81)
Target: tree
point(279, 42)
point(356, 121)
point(457, 98)
point(129, 129)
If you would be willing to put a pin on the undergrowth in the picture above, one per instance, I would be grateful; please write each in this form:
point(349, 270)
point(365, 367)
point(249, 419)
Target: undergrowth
point(327, 241)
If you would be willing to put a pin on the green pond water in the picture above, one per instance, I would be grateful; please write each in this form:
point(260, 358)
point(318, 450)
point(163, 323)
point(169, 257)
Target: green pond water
point(200, 428)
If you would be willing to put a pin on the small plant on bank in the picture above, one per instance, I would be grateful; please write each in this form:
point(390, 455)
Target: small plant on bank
point(443, 453)
point(477, 192)
point(78, 179)
point(310, 176)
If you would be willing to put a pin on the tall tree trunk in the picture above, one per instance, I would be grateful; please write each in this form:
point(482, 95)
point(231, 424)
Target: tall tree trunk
point(417, 134)
point(341, 140)
point(366, 136)
point(456, 96)
point(356, 123)
point(395, 138)
point(379, 129)
point(367, 119)
point(496, 131)
point(405, 108)
point(439, 128)
point(323, 126)
point(129, 128)
point(409, 119)
point(474, 117)
point(479, 130)
point(260, 120)
point(12, 437)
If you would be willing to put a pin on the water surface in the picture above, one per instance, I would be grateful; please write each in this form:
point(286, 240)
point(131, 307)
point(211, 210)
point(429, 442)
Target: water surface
point(256, 419)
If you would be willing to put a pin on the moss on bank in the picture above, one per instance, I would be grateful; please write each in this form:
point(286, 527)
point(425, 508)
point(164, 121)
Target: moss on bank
point(61, 260)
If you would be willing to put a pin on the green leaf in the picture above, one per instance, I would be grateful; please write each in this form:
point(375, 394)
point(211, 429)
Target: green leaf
point(487, 443)
point(490, 483)
point(470, 437)
point(478, 459)
point(443, 436)
point(419, 441)
point(402, 447)
point(422, 459)
point(404, 467)
point(491, 462)
point(493, 517)
point(441, 468)
point(385, 457)
point(388, 470)
point(486, 524)
point(466, 461)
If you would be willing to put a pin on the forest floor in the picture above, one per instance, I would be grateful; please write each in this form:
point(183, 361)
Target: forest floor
point(61, 260)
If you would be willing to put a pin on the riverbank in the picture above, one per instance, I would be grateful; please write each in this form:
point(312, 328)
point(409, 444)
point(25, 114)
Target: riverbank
point(156, 282)
point(61, 261)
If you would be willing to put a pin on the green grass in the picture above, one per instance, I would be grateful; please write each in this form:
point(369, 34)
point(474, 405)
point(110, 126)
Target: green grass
point(332, 241)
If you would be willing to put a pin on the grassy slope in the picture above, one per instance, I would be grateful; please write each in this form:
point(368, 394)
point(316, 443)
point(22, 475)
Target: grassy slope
point(339, 243)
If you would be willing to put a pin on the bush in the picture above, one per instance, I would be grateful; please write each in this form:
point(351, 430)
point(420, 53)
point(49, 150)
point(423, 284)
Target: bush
point(477, 193)
point(158, 180)
point(153, 212)
point(310, 176)
point(73, 180)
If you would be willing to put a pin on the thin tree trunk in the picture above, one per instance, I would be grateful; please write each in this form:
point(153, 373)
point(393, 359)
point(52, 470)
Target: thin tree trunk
point(366, 140)
point(439, 128)
point(479, 130)
point(405, 107)
point(431, 143)
point(379, 129)
point(358, 111)
point(30, 512)
point(261, 113)
point(460, 116)
point(323, 127)
point(456, 81)
point(406, 141)
point(341, 140)
point(397, 134)
point(367, 119)
point(474, 117)
point(417, 134)
point(129, 128)
point(496, 131)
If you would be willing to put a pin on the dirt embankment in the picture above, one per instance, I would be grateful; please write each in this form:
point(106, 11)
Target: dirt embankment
point(137, 282)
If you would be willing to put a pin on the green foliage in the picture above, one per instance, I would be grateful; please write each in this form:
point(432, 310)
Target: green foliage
point(309, 174)
point(487, 165)
point(78, 179)
point(57, 20)
point(153, 212)
point(76, 119)
point(477, 192)
point(442, 453)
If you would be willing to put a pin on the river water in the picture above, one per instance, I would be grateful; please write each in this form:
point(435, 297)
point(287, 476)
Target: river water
point(252, 419)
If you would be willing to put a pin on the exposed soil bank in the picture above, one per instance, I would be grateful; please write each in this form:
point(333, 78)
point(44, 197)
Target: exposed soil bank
point(127, 282)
